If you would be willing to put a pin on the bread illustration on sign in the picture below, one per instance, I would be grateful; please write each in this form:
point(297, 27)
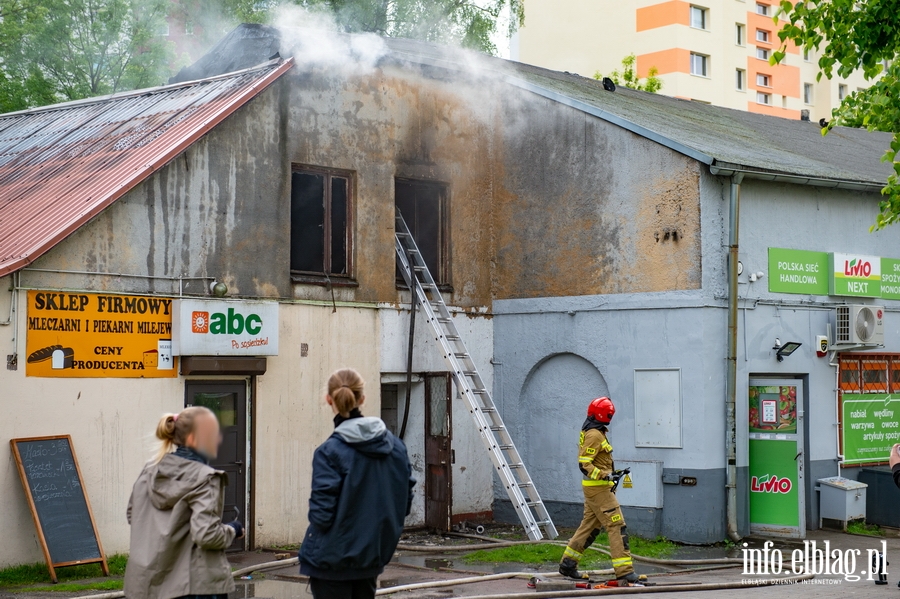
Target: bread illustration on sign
point(45, 353)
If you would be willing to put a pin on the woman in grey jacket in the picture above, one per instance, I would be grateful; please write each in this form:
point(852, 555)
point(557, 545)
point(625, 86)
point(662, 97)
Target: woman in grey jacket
point(178, 540)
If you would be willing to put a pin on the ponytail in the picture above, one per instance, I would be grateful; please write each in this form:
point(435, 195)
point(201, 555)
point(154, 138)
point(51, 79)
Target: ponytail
point(345, 387)
point(173, 429)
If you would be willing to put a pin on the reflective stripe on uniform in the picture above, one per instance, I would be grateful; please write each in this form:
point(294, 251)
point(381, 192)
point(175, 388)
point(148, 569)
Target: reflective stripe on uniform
point(596, 483)
point(605, 446)
point(622, 561)
point(586, 460)
point(595, 474)
point(569, 552)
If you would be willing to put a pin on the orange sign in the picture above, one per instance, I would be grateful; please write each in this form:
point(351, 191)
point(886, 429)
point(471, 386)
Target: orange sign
point(96, 335)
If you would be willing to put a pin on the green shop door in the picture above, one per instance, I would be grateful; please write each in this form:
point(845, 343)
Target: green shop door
point(775, 421)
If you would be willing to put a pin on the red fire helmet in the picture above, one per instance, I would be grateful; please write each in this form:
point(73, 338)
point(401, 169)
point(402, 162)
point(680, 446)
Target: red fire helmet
point(602, 410)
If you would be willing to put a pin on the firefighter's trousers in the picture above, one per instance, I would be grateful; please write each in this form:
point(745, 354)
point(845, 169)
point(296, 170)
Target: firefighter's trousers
point(601, 509)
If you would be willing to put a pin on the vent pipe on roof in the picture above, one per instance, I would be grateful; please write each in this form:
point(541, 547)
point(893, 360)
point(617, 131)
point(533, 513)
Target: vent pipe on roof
point(804, 115)
point(608, 84)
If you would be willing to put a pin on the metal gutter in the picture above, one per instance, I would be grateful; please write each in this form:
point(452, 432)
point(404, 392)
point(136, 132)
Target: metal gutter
point(724, 169)
point(734, 205)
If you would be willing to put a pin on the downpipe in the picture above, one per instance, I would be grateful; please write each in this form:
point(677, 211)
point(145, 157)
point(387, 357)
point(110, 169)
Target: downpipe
point(734, 206)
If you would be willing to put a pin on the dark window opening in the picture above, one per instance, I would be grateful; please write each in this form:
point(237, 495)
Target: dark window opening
point(320, 223)
point(423, 205)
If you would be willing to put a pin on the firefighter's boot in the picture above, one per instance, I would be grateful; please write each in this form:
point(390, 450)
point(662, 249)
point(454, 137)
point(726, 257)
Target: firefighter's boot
point(568, 567)
point(630, 578)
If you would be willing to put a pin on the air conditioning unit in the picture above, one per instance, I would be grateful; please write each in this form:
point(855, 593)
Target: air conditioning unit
point(859, 325)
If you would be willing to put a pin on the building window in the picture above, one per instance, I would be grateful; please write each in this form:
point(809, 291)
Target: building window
point(784, 101)
point(699, 64)
point(807, 93)
point(189, 27)
point(698, 17)
point(763, 80)
point(762, 36)
point(423, 205)
point(806, 55)
point(842, 91)
point(762, 98)
point(321, 222)
point(739, 38)
point(762, 53)
point(740, 79)
point(762, 9)
point(162, 29)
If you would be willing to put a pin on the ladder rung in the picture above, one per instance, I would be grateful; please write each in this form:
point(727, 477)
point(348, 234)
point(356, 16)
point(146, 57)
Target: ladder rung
point(509, 463)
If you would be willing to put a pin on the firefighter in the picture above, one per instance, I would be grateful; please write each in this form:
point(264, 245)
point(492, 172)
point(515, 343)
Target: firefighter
point(601, 508)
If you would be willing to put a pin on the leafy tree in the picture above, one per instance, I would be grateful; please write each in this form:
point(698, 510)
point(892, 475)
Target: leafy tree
point(469, 23)
point(628, 77)
point(55, 50)
point(852, 35)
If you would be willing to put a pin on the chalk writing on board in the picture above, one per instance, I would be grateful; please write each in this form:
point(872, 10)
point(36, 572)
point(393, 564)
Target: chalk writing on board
point(58, 496)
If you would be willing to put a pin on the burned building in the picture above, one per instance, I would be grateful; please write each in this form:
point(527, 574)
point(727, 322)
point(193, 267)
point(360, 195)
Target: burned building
point(580, 237)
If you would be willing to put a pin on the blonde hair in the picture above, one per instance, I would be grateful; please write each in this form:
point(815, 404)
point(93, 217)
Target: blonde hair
point(345, 387)
point(173, 429)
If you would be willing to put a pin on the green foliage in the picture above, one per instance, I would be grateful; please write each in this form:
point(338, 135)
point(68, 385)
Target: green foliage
point(859, 527)
point(532, 554)
point(28, 574)
point(468, 23)
point(547, 552)
point(850, 36)
point(628, 77)
point(75, 587)
point(55, 50)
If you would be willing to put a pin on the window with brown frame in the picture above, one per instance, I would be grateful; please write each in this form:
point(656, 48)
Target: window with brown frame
point(321, 224)
point(423, 205)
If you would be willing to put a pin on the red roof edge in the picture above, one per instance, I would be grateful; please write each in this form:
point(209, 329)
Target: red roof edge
point(150, 168)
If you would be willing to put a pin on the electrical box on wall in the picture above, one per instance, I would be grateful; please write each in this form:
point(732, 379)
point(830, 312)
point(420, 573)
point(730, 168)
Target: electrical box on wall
point(646, 484)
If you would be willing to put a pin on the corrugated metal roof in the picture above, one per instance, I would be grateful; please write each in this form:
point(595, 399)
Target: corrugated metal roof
point(61, 165)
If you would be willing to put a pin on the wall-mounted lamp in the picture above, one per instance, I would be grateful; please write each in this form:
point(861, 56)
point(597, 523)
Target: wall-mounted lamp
point(218, 289)
point(785, 349)
point(756, 276)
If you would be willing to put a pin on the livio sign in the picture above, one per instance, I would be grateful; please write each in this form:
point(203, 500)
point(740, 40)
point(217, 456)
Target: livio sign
point(224, 328)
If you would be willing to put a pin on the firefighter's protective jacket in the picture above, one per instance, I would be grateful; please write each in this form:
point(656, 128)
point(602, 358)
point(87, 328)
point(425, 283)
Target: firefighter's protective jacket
point(595, 458)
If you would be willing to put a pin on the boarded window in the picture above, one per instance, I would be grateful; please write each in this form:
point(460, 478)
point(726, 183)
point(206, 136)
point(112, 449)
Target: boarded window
point(423, 205)
point(320, 223)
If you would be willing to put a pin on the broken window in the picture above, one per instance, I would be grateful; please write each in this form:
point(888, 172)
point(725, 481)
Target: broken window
point(423, 205)
point(320, 223)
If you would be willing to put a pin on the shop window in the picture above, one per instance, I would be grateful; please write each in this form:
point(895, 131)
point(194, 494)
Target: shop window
point(874, 375)
point(895, 376)
point(320, 225)
point(850, 380)
point(423, 205)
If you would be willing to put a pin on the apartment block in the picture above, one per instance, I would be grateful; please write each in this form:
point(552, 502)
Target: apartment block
point(715, 51)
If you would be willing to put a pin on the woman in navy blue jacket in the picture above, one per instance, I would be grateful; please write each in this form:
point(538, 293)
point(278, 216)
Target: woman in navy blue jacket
point(361, 494)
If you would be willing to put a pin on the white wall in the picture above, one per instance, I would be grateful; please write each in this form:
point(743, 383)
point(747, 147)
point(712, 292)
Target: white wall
point(472, 472)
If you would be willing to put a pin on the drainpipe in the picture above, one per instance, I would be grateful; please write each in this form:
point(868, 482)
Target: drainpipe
point(731, 376)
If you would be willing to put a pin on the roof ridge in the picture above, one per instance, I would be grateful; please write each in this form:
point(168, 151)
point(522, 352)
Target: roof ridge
point(143, 91)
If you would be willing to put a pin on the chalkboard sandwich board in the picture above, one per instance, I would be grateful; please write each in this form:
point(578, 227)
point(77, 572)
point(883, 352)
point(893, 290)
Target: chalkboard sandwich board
point(59, 504)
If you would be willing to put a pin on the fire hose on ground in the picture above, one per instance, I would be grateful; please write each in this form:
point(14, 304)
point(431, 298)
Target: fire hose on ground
point(491, 543)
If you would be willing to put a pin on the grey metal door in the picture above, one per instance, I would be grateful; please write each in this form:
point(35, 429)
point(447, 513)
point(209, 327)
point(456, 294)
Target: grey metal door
point(228, 401)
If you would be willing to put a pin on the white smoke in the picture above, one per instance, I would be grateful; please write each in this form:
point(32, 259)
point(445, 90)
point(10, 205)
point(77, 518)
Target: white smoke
point(314, 39)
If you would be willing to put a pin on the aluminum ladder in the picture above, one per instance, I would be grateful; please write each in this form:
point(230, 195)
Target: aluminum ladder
point(496, 438)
